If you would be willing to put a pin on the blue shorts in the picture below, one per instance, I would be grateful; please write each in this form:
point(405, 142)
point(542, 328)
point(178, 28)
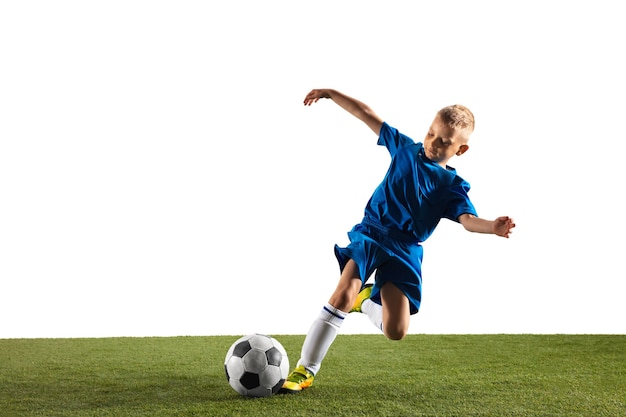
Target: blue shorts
point(395, 257)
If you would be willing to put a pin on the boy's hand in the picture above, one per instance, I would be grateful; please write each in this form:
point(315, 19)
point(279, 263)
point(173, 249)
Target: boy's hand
point(314, 96)
point(353, 106)
point(502, 226)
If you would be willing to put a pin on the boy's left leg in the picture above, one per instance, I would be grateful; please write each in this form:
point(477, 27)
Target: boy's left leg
point(393, 316)
point(396, 311)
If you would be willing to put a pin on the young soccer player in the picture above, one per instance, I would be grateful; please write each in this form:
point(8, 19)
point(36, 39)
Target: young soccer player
point(418, 190)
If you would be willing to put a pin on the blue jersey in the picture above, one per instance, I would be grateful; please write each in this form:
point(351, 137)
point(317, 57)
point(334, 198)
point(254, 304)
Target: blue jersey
point(416, 192)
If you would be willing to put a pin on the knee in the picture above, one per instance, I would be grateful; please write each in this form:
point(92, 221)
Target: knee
point(395, 333)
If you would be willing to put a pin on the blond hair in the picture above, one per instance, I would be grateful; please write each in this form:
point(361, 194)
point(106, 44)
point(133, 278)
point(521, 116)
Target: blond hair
point(458, 117)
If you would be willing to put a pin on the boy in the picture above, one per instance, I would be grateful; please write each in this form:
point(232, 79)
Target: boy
point(418, 190)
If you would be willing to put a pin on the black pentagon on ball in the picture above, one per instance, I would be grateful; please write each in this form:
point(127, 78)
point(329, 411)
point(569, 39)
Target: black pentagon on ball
point(250, 380)
point(274, 357)
point(278, 386)
point(226, 370)
point(241, 349)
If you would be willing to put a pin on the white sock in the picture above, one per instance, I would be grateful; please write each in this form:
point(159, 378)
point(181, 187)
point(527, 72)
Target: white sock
point(320, 336)
point(374, 313)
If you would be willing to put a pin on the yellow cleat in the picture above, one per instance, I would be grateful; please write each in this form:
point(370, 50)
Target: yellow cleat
point(364, 294)
point(297, 380)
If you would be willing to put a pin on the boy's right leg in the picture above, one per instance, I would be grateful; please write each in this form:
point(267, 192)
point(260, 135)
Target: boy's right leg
point(364, 295)
point(317, 342)
point(324, 330)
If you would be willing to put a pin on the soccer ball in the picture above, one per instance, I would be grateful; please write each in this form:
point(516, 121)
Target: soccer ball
point(256, 365)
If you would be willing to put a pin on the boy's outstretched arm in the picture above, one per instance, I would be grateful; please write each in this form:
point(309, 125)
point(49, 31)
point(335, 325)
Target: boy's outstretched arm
point(501, 226)
point(353, 106)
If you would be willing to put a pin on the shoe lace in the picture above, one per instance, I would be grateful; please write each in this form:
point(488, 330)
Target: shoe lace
point(297, 376)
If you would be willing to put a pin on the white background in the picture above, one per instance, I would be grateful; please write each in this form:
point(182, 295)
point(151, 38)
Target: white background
point(159, 174)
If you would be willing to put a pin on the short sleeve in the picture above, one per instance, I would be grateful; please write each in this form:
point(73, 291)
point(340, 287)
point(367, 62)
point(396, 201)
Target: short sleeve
point(392, 139)
point(459, 202)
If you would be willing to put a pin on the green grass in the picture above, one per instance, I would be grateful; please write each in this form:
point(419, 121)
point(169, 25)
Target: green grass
point(363, 375)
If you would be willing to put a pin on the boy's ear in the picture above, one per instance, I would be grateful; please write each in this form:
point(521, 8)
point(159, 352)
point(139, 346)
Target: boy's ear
point(462, 150)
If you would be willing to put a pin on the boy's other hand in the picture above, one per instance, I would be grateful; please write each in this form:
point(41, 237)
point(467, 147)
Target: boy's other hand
point(314, 96)
point(502, 226)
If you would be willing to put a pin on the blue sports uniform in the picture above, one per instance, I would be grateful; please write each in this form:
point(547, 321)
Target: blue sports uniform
point(403, 212)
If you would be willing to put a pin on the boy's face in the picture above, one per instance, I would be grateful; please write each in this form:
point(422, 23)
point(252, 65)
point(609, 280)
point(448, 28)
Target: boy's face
point(442, 142)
